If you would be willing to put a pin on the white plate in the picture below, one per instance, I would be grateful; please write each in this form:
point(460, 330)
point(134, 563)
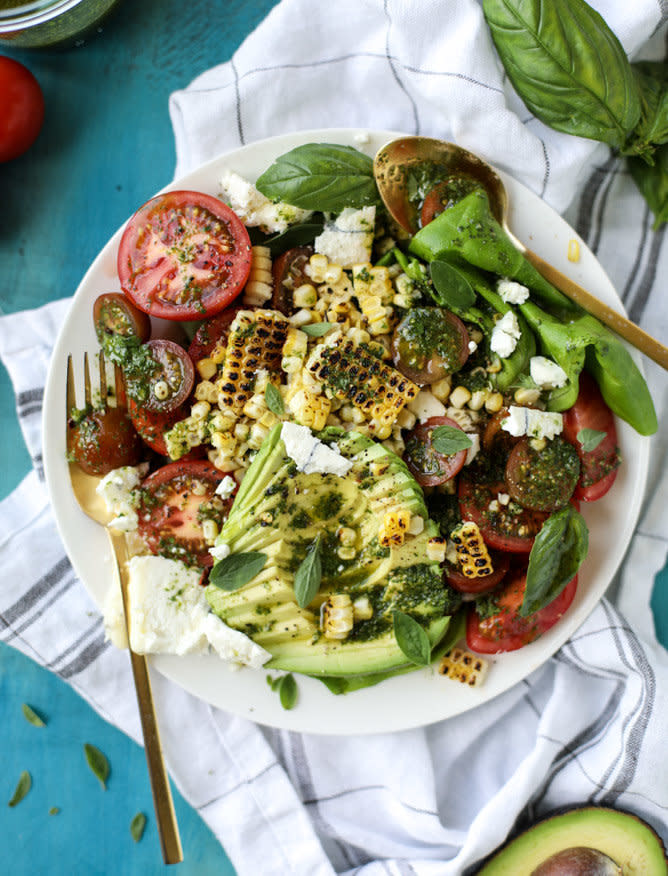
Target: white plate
point(425, 696)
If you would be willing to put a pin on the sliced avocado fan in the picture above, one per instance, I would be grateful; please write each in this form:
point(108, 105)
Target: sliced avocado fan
point(280, 511)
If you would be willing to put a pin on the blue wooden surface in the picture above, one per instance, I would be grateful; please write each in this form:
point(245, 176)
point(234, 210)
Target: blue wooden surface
point(106, 146)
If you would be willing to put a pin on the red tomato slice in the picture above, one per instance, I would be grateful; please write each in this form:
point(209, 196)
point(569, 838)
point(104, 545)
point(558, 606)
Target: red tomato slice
point(459, 581)
point(507, 630)
point(114, 314)
point(289, 273)
point(21, 109)
point(599, 466)
point(428, 466)
point(430, 343)
point(209, 334)
point(103, 440)
point(542, 480)
point(172, 381)
point(175, 500)
point(152, 425)
point(184, 255)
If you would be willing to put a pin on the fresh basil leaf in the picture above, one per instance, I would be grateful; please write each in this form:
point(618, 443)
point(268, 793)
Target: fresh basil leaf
point(32, 717)
point(54, 810)
point(287, 691)
point(449, 439)
point(236, 570)
point(411, 638)
point(321, 176)
point(23, 786)
point(98, 763)
point(274, 400)
point(556, 555)
point(273, 682)
point(568, 67)
point(137, 826)
point(316, 329)
point(590, 439)
point(452, 288)
point(309, 574)
point(653, 183)
point(652, 130)
point(295, 235)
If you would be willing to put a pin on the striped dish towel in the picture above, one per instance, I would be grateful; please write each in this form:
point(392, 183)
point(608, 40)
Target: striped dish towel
point(588, 726)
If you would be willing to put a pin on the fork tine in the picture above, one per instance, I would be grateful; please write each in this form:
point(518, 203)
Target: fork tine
point(119, 387)
point(87, 392)
point(70, 394)
point(104, 390)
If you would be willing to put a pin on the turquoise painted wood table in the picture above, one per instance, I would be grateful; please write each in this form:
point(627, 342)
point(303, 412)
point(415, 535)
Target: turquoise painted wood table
point(105, 147)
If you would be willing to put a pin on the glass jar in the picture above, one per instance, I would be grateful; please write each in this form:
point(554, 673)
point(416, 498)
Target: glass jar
point(49, 23)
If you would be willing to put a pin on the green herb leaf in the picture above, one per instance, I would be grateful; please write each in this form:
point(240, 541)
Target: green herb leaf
point(98, 763)
point(652, 130)
point(287, 691)
point(452, 288)
point(556, 555)
point(273, 682)
point(321, 176)
point(652, 183)
point(274, 399)
point(32, 717)
point(309, 574)
point(316, 329)
point(568, 67)
point(54, 810)
point(295, 235)
point(590, 439)
point(137, 826)
point(22, 788)
point(237, 569)
point(449, 439)
point(411, 638)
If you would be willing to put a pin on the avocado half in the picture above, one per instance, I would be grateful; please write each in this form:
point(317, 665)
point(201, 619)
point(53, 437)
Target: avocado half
point(625, 838)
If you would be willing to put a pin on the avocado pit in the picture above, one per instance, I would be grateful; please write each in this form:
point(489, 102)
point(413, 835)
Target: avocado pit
point(578, 861)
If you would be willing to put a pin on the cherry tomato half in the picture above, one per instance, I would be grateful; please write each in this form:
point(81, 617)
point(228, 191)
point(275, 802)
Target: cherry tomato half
point(542, 480)
point(428, 466)
point(21, 109)
point(175, 501)
point(152, 425)
point(115, 314)
point(429, 343)
point(599, 466)
point(170, 384)
point(507, 630)
point(463, 584)
point(289, 274)
point(184, 255)
point(102, 440)
point(444, 194)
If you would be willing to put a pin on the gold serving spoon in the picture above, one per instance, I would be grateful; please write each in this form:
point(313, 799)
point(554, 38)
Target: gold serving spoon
point(390, 170)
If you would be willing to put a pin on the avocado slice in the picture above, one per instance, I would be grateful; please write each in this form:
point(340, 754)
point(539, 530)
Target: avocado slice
point(624, 838)
point(279, 511)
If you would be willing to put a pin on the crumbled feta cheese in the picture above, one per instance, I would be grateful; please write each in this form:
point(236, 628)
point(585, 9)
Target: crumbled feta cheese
point(347, 240)
point(472, 346)
point(546, 373)
point(310, 454)
point(505, 335)
point(512, 292)
point(117, 489)
point(226, 487)
point(254, 209)
point(474, 449)
point(169, 614)
point(535, 424)
point(220, 551)
point(425, 405)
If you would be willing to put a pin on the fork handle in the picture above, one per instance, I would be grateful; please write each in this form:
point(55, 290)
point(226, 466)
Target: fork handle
point(168, 830)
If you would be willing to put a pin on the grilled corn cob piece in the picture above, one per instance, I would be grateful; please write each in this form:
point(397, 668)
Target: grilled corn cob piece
point(336, 616)
point(464, 666)
point(472, 553)
point(255, 343)
point(259, 286)
point(393, 529)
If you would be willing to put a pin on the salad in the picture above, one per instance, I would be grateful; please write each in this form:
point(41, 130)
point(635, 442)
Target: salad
point(362, 448)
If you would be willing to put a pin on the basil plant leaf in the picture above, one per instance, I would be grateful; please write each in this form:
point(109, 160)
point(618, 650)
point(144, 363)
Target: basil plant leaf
point(274, 399)
point(449, 439)
point(321, 176)
point(568, 67)
point(287, 691)
point(309, 575)
point(590, 439)
point(411, 638)
point(137, 826)
point(295, 235)
point(452, 289)
point(22, 787)
point(98, 763)
point(557, 553)
point(32, 717)
point(652, 130)
point(235, 570)
point(316, 329)
point(652, 183)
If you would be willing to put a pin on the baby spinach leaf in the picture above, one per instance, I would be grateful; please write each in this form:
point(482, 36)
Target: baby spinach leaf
point(568, 67)
point(32, 717)
point(295, 235)
point(235, 570)
point(448, 440)
point(411, 638)
point(452, 288)
point(321, 176)
point(556, 555)
point(137, 826)
point(23, 786)
point(98, 763)
point(316, 329)
point(287, 691)
point(309, 574)
point(274, 399)
point(590, 439)
point(653, 183)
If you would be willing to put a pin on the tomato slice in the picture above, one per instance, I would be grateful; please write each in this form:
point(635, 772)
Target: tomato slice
point(169, 385)
point(101, 440)
point(459, 581)
point(175, 501)
point(430, 343)
point(542, 480)
point(444, 194)
point(428, 466)
point(184, 255)
point(599, 466)
point(507, 630)
point(115, 315)
point(211, 334)
point(152, 425)
point(289, 273)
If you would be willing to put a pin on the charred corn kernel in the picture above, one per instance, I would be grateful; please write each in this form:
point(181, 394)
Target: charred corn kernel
point(241, 431)
point(304, 295)
point(478, 399)
point(441, 389)
point(200, 410)
point(377, 469)
point(358, 336)
point(463, 418)
point(393, 529)
point(268, 419)
point(472, 554)
point(376, 314)
point(259, 286)
point(494, 402)
point(407, 293)
point(406, 419)
point(380, 429)
point(525, 396)
point(573, 252)
point(206, 391)
point(223, 420)
point(317, 267)
point(221, 462)
point(304, 316)
point(309, 409)
point(209, 530)
point(333, 274)
point(255, 407)
point(257, 435)
point(459, 397)
point(336, 616)
point(224, 442)
point(347, 536)
point(494, 366)
point(416, 526)
point(255, 342)
point(206, 368)
point(436, 550)
point(346, 552)
point(451, 552)
point(463, 666)
point(538, 444)
point(362, 608)
point(368, 280)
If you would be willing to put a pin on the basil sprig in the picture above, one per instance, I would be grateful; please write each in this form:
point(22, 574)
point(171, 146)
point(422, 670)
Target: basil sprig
point(449, 439)
point(309, 574)
point(274, 399)
point(557, 553)
point(321, 176)
point(411, 638)
point(98, 763)
point(235, 570)
point(316, 329)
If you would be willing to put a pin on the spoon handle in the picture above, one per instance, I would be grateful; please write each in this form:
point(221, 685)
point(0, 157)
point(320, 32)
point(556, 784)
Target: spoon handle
point(618, 323)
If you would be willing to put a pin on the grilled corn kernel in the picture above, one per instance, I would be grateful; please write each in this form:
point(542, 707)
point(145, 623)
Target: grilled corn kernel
point(206, 368)
point(336, 616)
point(436, 549)
point(304, 295)
point(362, 608)
point(441, 389)
point(394, 527)
point(494, 402)
point(317, 267)
point(478, 399)
point(525, 396)
point(463, 666)
point(459, 397)
point(259, 285)
point(472, 554)
point(209, 530)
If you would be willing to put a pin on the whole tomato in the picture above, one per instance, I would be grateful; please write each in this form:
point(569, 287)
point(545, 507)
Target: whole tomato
point(21, 109)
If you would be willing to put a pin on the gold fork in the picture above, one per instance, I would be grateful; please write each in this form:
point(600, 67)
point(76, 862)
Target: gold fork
point(84, 488)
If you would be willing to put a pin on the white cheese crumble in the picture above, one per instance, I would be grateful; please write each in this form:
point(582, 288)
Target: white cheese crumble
point(169, 614)
point(254, 209)
point(226, 487)
point(117, 489)
point(512, 292)
point(220, 551)
point(472, 346)
point(311, 455)
point(505, 335)
point(546, 373)
point(535, 424)
point(347, 240)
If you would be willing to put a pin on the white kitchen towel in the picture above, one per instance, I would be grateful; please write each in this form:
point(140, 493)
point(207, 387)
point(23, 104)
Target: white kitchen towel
point(589, 726)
